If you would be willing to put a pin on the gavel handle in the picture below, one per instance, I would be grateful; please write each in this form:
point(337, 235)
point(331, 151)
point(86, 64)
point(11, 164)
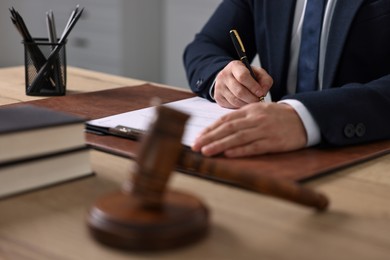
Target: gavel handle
point(272, 186)
point(283, 189)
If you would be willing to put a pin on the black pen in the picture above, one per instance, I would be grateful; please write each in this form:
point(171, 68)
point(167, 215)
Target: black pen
point(241, 51)
point(242, 54)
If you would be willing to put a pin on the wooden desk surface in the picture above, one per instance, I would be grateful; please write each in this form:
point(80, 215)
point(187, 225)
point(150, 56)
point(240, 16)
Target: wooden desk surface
point(50, 223)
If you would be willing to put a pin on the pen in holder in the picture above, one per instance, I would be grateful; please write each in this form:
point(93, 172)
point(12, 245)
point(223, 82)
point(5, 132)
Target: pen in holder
point(45, 67)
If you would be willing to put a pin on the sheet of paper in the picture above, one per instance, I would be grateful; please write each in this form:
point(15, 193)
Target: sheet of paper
point(202, 113)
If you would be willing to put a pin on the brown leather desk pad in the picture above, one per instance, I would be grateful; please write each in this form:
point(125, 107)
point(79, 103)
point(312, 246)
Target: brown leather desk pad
point(297, 166)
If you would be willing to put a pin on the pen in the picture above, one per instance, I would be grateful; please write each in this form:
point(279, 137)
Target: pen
point(242, 54)
point(71, 17)
point(36, 54)
point(53, 40)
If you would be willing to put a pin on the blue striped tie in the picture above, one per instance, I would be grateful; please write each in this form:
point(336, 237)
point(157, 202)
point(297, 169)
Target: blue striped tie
point(307, 79)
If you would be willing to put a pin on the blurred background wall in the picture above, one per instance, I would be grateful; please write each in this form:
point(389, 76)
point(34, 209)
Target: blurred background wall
point(142, 39)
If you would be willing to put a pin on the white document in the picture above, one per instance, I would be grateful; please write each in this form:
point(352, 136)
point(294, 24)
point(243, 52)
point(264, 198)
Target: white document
point(202, 113)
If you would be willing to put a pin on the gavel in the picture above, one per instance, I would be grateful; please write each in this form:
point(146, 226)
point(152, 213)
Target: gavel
point(146, 215)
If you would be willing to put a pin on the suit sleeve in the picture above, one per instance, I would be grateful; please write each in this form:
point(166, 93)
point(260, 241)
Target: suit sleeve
point(355, 113)
point(212, 49)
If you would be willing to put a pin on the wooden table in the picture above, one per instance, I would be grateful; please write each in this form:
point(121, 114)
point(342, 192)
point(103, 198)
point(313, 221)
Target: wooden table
point(50, 223)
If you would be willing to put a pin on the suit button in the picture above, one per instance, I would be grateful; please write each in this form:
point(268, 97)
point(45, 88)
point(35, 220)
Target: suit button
point(199, 82)
point(360, 129)
point(349, 131)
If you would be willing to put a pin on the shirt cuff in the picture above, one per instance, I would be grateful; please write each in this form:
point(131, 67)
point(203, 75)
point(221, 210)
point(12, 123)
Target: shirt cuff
point(211, 90)
point(312, 129)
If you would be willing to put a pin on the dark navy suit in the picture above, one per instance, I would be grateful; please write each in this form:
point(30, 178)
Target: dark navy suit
point(354, 105)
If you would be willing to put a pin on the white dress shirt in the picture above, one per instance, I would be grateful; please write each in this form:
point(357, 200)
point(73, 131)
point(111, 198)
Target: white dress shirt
point(312, 130)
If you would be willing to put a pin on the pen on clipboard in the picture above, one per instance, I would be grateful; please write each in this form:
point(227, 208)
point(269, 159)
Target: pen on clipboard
point(239, 46)
point(119, 130)
point(127, 132)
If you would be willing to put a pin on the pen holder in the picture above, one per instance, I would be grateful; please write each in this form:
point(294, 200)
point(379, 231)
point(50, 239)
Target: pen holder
point(45, 68)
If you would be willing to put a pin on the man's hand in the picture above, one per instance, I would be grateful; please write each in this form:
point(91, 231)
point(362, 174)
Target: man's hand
point(257, 128)
point(235, 87)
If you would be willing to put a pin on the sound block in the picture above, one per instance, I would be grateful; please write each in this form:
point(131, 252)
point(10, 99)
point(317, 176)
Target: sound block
point(120, 220)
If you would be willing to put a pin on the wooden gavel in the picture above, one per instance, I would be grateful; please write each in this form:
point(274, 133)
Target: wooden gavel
point(188, 160)
point(247, 179)
point(145, 215)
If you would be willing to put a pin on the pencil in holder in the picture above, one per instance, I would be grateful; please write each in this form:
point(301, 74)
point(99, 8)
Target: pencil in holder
point(45, 68)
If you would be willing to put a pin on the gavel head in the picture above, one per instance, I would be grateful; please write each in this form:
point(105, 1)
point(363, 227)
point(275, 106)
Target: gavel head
point(158, 156)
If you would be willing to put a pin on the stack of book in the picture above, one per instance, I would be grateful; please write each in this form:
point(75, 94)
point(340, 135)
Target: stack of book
point(40, 147)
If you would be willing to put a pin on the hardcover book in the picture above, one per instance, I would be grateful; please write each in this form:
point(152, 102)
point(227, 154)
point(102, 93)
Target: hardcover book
point(40, 172)
point(30, 131)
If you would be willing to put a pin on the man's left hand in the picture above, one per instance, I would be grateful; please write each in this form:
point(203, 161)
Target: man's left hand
point(257, 128)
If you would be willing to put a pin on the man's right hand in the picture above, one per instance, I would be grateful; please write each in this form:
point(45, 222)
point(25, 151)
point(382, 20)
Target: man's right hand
point(235, 87)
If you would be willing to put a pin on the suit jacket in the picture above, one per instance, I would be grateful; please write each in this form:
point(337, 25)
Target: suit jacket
point(354, 105)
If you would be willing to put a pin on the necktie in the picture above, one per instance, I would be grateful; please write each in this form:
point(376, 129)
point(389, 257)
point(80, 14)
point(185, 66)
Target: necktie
point(310, 45)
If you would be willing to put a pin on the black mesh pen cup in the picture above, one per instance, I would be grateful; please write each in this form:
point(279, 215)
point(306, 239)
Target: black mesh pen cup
point(45, 68)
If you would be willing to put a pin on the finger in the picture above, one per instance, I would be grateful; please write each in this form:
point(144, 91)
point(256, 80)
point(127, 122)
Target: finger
point(265, 81)
point(229, 100)
point(227, 135)
point(232, 142)
point(209, 135)
point(237, 114)
point(243, 85)
point(229, 92)
point(260, 146)
point(202, 140)
point(221, 100)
